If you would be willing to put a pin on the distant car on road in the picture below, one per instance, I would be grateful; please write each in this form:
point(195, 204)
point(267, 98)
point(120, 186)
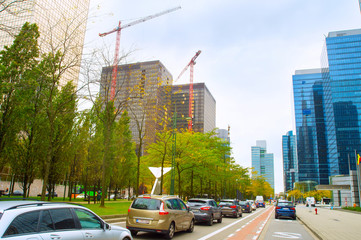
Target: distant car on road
point(261, 204)
point(231, 207)
point(205, 210)
point(310, 201)
point(246, 206)
point(253, 205)
point(285, 209)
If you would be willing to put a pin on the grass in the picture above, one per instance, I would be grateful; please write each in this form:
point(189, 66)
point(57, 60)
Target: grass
point(357, 209)
point(111, 207)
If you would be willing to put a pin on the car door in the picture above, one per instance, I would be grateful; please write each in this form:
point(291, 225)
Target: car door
point(186, 215)
point(217, 210)
point(59, 224)
point(175, 211)
point(24, 227)
point(92, 227)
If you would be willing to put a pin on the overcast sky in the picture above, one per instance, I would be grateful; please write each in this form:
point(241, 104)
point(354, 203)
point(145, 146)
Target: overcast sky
point(250, 50)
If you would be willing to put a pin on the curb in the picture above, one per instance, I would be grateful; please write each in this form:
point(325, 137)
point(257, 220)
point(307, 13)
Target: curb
point(309, 228)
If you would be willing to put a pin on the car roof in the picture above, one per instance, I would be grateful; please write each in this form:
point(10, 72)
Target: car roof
point(7, 205)
point(160, 197)
point(227, 200)
point(202, 199)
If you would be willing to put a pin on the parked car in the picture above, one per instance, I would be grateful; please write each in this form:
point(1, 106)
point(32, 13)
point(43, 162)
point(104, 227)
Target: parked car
point(18, 193)
point(47, 194)
point(285, 209)
point(310, 201)
point(205, 210)
point(230, 207)
point(159, 214)
point(246, 206)
point(39, 220)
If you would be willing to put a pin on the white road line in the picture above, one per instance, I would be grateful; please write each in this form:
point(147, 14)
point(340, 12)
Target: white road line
point(224, 228)
point(230, 235)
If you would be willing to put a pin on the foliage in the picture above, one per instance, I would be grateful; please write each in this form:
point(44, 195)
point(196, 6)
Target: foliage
point(318, 194)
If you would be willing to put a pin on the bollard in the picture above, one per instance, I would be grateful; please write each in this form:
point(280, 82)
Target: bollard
point(316, 211)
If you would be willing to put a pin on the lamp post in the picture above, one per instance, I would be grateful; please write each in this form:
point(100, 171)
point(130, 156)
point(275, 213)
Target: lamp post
point(173, 152)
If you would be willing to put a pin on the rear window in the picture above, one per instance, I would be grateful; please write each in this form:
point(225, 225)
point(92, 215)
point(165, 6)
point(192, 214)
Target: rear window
point(196, 202)
point(243, 203)
point(146, 203)
point(285, 204)
point(228, 203)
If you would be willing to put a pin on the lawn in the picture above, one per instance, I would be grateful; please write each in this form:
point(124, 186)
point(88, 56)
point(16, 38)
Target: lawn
point(357, 209)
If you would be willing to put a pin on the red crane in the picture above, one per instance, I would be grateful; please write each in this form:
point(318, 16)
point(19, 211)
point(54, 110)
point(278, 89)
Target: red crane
point(117, 43)
point(191, 65)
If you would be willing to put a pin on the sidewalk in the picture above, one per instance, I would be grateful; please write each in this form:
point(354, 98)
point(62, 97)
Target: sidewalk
point(330, 224)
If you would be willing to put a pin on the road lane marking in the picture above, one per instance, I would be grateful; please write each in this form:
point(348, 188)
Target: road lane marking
point(224, 228)
point(287, 235)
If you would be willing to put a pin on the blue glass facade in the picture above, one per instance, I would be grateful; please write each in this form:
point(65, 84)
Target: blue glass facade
point(290, 163)
point(342, 59)
point(308, 93)
point(262, 162)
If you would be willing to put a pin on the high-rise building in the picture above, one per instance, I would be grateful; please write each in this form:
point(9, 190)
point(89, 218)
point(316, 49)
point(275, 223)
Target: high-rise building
point(290, 164)
point(204, 107)
point(328, 110)
point(310, 126)
point(62, 24)
point(263, 162)
point(144, 90)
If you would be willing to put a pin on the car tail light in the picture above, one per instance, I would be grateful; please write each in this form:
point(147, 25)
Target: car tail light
point(205, 208)
point(161, 210)
point(247, 205)
point(292, 208)
point(146, 197)
point(234, 206)
point(278, 207)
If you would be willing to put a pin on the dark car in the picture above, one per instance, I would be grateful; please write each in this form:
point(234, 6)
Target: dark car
point(205, 210)
point(231, 207)
point(47, 194)
point(285, 209)
point(261, 204)
point(18, 193)
point(246, 206)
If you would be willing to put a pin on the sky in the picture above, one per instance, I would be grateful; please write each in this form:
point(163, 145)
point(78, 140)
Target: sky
point(250, 50)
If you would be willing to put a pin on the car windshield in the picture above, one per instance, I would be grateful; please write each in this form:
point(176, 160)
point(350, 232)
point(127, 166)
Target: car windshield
point(146, 203)
point(196, 202)
point(285, 204)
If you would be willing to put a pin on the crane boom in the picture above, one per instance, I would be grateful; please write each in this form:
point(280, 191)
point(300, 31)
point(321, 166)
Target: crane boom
point(140, 21)
point(117, 43)
point(192, 61)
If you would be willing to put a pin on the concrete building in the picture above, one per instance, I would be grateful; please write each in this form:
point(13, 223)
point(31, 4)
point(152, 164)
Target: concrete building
point(61, 23)
point(263, 162)
point(204, 107)
point(290, 163)
point(144, 90)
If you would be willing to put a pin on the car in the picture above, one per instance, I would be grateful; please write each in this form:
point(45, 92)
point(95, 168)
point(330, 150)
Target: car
point(230, 207)
point(15, 193)
point(159, 214)
point(253, 205)
point(310, 201)
point(285, 209)
point(246, 206)
point(39, 220)
point(261, 204)
point(205, 210)
point(47, 194)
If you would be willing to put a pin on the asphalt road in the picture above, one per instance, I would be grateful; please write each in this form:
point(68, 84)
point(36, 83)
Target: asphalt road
point(249, 224)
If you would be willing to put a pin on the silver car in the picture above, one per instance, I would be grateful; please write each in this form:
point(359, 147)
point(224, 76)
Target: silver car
point(38, 220)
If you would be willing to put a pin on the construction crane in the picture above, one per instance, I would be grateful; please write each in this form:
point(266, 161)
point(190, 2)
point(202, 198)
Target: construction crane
point(191, 65)
point(117, 43)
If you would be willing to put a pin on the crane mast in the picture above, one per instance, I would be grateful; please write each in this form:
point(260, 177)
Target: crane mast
point(118, 29)
point(190, 109)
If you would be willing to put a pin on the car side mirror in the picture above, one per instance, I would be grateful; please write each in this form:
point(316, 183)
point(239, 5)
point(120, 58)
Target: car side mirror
point(106, 226)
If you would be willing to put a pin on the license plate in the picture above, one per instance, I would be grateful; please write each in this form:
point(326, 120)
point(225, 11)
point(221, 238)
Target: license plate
point(195, 210)
point(142, 221)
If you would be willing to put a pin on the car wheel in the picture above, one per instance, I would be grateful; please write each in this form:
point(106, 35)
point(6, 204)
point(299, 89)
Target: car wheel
point(134, 233)
point(294, 218)
point(236, 215)
point(276, 216)
point(219, 220)
point(191, 226)
point(170, 232)
point(126, 238)
point(210, 222)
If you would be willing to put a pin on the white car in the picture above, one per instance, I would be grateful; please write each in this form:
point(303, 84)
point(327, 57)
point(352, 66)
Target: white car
point(37, 220)
point(253, 205)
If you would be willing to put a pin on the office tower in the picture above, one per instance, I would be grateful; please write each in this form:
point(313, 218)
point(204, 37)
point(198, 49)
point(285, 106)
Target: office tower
point(290, 164)
point(310, 126)
point(204, 107)
point(359, 2)
point(342, 83)
point(223, 134)
point(62, 24)
point(262, 162)
point(144, 89)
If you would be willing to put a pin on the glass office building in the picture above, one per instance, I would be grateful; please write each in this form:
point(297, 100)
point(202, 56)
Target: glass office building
point(341, 64)
point(262, 162)
point(290, 164)
point(310, 126)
